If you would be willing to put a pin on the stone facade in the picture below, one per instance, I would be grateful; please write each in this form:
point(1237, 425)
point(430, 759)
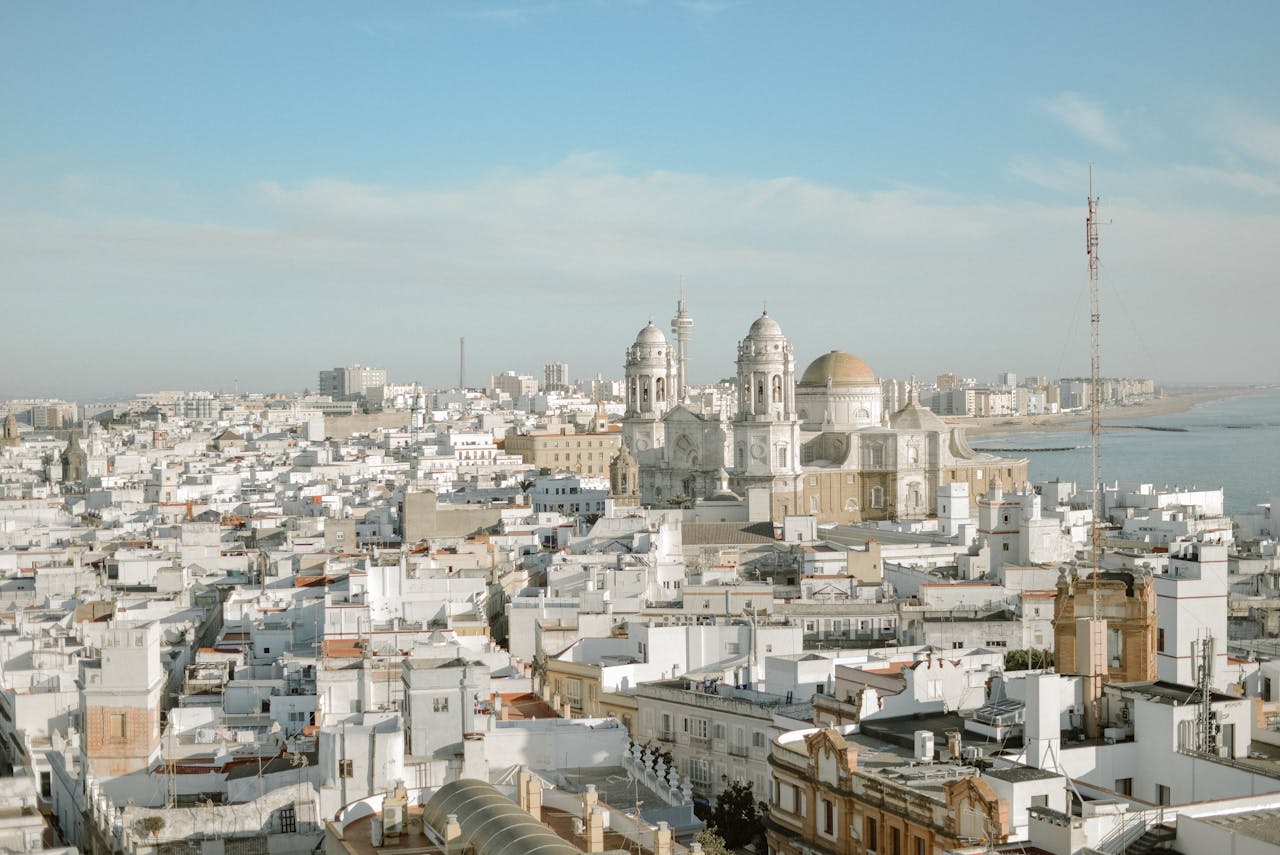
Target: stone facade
point(824, 802)
point(1127, 602)
point(824, 446)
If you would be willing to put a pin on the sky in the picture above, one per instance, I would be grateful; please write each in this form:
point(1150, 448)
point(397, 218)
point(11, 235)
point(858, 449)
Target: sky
point(212, 195)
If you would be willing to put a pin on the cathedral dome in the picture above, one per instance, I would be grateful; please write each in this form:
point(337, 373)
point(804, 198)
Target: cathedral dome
point(838, 367)
point(650, 335)
point(764, 327)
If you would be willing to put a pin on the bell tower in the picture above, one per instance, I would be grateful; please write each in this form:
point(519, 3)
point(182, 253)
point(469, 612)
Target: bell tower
point(651, 379)
point(766, 431)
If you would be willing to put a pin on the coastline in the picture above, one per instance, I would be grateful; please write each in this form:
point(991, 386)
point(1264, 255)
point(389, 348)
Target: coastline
point(986, 428)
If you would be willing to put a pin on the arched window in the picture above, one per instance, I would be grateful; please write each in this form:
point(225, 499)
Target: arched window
point(660, 389)
point(913, 454)
point(877, 455)
point(777, 389)
point(760, 391)
point(742, 455)
point(644, 393)
point(782, 456)
point(877, 497)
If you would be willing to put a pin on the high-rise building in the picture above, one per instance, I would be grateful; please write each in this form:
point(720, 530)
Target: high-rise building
point(352, 382)
point(555, 377)
point(513, 384)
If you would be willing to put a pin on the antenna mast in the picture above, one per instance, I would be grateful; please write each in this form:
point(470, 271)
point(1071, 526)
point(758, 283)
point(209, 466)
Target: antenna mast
point(1095, 385)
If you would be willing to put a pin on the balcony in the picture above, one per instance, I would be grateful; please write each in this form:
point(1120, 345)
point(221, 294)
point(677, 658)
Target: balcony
point(703, 742)
point(737, 750)
point(666, 736)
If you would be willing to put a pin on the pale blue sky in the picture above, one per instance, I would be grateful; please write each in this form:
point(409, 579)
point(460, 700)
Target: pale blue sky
point(194, 193)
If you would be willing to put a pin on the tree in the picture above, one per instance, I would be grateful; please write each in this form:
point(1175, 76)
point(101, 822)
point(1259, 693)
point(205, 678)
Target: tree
point(149, 825)
point(737, 816)
point(661, 753)
point(1022, 660)
point(712, 843)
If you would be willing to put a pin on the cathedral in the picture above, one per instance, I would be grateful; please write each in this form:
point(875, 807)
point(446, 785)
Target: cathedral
point(825, 445)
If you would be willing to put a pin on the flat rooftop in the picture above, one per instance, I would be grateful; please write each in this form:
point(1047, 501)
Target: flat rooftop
point(1261, 824)
point(1018, 774)
point(901, 731)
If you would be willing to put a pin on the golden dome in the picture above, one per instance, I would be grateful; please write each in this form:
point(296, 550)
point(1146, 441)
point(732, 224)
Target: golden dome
point(842, 369)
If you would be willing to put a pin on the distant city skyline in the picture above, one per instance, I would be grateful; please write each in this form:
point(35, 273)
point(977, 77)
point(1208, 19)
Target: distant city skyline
point(191, 196)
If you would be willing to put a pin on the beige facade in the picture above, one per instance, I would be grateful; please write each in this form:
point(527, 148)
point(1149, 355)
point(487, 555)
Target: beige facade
point(824, 446)
point(580, 453)
point(1127, 602)
point(824, 801)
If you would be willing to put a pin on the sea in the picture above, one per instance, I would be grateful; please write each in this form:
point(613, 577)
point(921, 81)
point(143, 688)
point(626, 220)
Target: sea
point(1232, 443)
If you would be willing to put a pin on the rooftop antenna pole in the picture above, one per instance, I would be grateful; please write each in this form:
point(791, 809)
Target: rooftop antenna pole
point(1095, 386)
point(462, 363)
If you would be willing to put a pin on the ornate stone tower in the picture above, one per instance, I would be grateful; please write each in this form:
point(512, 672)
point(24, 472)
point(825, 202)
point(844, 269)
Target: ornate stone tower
point(9, 435)
point(624, 478)
point(74, 461)
point(651, 383)
point(766, 432)
point(681, 325)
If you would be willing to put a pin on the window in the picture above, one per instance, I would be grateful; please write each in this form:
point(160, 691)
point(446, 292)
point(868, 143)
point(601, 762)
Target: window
point(46, 785)
point(1040, 801)
point(345, 769)
point(116, 727)
point(1004, 547)
point(288, 820)
point(266, 650)
point(1163, 796)
point(782, 455)
point(1160, 648)
point(1124, 786)
point(757, 739)
point(828, 817)
point(440, 705)
point(877, 497)
point(573, 691)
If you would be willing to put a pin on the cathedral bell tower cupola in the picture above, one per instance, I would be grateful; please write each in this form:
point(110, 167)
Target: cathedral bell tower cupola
point(651, 381)
point(766, 430)
point(766, 373)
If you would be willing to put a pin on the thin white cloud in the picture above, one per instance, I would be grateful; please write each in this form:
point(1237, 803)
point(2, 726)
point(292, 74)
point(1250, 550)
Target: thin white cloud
point(839, 269)
point(506, 15)
point(1254, 136)
point(707, 9)
point(1250, 181)
point(1084, 118)
point(1058, 174)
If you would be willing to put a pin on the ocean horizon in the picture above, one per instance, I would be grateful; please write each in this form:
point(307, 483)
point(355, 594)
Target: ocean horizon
point(1233, 443)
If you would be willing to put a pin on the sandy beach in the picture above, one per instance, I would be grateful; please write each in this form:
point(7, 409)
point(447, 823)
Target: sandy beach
point(1169, 404)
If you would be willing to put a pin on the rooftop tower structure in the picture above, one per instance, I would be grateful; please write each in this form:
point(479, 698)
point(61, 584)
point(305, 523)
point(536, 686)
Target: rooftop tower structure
point(681, 325)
